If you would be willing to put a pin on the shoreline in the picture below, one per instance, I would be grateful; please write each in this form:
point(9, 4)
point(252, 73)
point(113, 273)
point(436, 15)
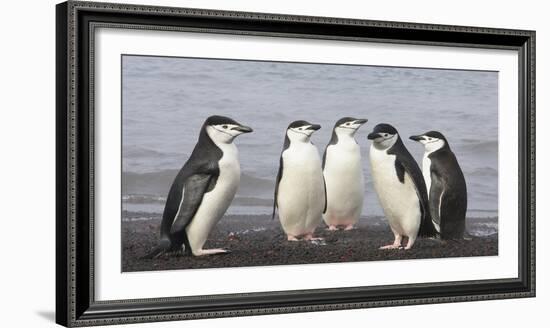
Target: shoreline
point(256, 240)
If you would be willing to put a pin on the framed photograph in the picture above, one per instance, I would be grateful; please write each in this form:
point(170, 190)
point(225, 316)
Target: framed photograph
point(215, 163)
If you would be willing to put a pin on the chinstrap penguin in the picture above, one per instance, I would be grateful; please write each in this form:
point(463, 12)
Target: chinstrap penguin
point(343, 174)
point(300, 188)
point(202, 190)
point(400, 187)
point(446, 185)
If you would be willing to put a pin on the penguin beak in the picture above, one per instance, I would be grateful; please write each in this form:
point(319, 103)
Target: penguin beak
point(416, 138)
point(373, 136)
point(314, 127)
point(361, 121)
point(243, 129)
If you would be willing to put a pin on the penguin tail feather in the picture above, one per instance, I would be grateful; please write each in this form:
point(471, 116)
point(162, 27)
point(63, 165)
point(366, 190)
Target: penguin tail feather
point(427, 229)
point(163, 247)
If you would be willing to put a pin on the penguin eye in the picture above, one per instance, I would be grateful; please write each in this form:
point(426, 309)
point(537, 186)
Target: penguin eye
point(224, 126)
point(385, 135)
point(347, 124)
point(300, 129)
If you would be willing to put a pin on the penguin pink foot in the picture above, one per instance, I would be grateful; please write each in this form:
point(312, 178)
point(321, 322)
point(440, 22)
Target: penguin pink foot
point(291, 238)
point(214, 251)
point(332, 228)
point(349, 227)
point(396, 243)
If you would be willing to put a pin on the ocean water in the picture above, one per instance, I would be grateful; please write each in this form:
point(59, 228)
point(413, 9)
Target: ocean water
point(166, 100)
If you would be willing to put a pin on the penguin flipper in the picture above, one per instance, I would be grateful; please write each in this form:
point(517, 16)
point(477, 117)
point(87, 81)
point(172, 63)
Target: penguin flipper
point(194, 189)
point(326, 200)
point(279, 176)
point(324, 157)
point(436, 197)
point(405, 164)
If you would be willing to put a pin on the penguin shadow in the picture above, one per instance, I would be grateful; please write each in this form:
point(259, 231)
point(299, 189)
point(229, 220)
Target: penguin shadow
point(421, 245)
point(334, 237)
point(432, 243)
point(439, 245)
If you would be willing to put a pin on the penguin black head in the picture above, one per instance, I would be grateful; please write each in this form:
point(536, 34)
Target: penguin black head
point(349, 125)
point(301, 130)
point(383, 135)
point(224, 129)
point(432, 140)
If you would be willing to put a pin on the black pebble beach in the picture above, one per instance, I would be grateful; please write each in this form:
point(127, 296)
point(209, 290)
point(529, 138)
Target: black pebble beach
point(260, 241)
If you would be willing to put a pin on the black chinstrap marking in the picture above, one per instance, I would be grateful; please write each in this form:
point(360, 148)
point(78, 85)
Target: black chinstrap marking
point(345, 127)
point(307, 135)
point(229, 134)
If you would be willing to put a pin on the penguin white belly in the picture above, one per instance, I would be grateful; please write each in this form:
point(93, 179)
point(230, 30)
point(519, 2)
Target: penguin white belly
point(301, 194)
point(215, 202)
point(345, 185)
point(426, 171)
point(399, 200)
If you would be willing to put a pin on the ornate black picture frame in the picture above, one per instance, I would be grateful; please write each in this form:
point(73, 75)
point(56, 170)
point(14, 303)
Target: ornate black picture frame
point(75, 301)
